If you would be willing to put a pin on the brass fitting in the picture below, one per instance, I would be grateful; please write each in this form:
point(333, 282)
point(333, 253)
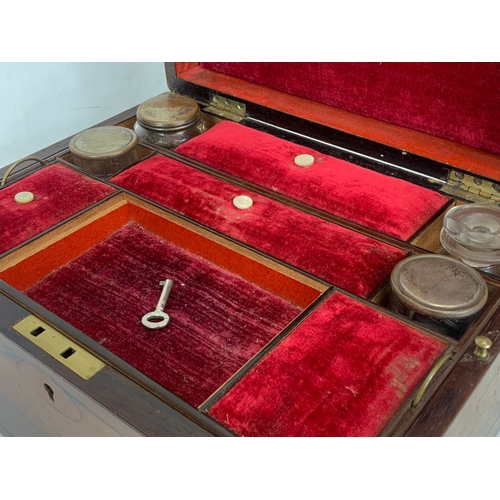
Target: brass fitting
point(482, 345)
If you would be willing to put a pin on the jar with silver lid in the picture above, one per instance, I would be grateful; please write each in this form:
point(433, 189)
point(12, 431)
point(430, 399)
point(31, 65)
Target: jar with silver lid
point(104, 151)
point(169, 120)
point(438, 292)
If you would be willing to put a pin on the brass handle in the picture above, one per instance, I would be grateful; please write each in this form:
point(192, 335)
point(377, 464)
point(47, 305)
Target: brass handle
point(14, 165)
point(482, 345)
point(429, 377)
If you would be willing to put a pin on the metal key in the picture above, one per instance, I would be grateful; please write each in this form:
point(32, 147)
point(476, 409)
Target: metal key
point(159, 319)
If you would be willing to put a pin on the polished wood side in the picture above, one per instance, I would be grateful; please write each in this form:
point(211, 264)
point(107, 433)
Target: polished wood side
point(35, 401)
point(451, 403)
point(118, 387)
point(480, 416)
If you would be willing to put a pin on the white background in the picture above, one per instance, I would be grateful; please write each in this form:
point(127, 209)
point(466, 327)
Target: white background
point(42, 103)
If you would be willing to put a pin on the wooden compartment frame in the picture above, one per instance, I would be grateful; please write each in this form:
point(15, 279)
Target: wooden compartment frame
point(43, 254)
point(448, 394)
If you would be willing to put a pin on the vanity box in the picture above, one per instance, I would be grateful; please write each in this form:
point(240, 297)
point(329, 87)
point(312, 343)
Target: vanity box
point(280, 225)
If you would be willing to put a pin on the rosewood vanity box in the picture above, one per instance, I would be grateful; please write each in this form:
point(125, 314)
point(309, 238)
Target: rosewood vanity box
point(280, 221)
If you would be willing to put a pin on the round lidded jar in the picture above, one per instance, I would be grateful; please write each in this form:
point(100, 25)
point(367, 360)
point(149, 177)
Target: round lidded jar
point(169, 120)
point(104, 151)
point(437, 290)
point(472, 233)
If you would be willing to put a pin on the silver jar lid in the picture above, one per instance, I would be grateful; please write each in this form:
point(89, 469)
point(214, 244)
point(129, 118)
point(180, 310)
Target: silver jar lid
point(168, 112)
point(439, 286)
point(103, 142)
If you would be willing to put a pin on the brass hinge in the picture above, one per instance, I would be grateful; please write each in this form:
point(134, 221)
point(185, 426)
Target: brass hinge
point(227, 108)
point(472, 188)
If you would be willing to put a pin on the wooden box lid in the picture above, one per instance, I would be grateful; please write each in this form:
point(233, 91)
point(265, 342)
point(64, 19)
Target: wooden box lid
point(447, 112)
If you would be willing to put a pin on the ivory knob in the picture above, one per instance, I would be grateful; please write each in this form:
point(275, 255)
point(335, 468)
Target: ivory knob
point(24, 197)
point(304, 160)
point(242, 202)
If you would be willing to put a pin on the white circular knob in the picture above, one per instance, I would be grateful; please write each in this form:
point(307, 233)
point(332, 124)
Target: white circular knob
point(242, 202)
point(24, 197)
point(304, 160)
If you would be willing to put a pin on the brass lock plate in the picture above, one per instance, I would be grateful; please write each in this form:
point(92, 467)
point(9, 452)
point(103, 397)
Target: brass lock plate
point(59, 347)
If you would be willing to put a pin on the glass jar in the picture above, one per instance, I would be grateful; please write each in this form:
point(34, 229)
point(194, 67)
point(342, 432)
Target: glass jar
point(438, 292)
point(169, 120)
point(104, 151)
point(472, 233)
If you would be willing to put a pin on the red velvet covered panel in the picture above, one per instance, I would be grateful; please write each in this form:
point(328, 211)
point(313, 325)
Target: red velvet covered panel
point(456, 101)
point(391, 206)
point(217, 320)
point(59, 193)
point(344, 371)
point(340, 256)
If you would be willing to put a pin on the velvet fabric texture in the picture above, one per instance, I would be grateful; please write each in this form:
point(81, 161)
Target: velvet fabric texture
point(217, 320)
point(59, 193)
point(344, 371)
point(388, 205)
point(456, 101)
point(337, 255)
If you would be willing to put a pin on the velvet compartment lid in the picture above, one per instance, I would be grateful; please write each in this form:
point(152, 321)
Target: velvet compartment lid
point(391, 206)
point(344, 371)
point(59, 192)
point(347, 259)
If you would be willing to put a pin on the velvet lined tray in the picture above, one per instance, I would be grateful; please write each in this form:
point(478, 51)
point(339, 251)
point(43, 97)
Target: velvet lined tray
point(347, 259)
point(344, 371)
point(59, 192)
point(391, 206)
point(101, 274)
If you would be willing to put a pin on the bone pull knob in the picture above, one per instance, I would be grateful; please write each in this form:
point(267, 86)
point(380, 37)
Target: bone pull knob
point(24, 197)
point(304, 160)
point(482, 345)
point(242, 202)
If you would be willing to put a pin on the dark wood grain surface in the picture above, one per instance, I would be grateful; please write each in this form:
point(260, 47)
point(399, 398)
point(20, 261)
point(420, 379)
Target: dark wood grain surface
point(458, 386)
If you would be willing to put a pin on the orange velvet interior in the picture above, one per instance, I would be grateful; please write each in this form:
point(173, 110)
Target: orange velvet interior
point(448, 152)
point(34, 268)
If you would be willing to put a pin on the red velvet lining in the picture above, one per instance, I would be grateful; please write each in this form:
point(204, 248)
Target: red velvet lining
point(24, 273)
point(391, 206)
point(344, 371)
point(428, 146)
point(247, 267)
point(218, 320)
point(59, 193)
point(456, 101)
point(33, 268)
point(340, 256)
